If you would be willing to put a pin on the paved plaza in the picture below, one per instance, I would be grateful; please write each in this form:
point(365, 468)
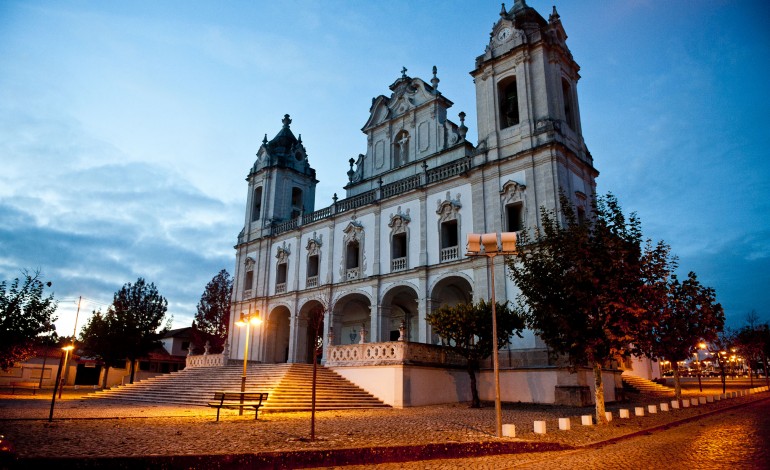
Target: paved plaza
point(90, 433)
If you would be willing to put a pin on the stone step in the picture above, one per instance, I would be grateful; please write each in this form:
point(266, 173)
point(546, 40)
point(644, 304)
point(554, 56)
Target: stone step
point(288, 385)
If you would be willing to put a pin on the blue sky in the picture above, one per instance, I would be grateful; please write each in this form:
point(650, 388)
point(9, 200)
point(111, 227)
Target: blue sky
point(127, 128)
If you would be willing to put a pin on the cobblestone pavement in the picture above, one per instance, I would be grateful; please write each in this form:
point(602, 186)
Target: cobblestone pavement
point(85, 428)
point(735, 439)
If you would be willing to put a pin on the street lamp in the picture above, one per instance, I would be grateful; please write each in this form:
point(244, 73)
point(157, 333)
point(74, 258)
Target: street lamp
point(487, 244)
point(701, 345)
point(247, 321)
point(62, 359)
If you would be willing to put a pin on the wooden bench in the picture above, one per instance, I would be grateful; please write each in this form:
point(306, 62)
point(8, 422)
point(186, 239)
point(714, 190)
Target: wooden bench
point(25, 385)
point(238, 400)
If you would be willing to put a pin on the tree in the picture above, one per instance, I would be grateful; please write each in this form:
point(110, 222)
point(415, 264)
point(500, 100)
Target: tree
point(688, 316)
point(721, 350)
point(752, 342)
point(213, 314)
point(25, 317)
point(139, 311)
point(582, 286)
point(101, 337)
point(468, 329)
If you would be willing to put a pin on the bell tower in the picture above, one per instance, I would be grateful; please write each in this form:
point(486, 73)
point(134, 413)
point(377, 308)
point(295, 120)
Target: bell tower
point(281, 183)
point(526, 86)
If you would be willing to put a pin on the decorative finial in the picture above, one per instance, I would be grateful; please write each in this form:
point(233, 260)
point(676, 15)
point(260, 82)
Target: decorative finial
point(350, 171)
point(403, 72)
point(554, 15)
point(334, 198)
point(286, 120)
point(299, 139)
point(434, 81)
point(463, 129)
point(264, 141)
point(503, 11)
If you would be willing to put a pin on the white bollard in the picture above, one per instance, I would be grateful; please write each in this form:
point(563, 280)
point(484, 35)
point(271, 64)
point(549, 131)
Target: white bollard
point(564, 424)
point(539, 427)
point(652, 409)
point(509, 430)
point(710, 399)
point(674, 404)
point(623, 413)
point(717, 397)
point(734, 395)
point(608, 414)
point(685, 403)
point(694, 401)
point(701, 400)
point(664, 407)
point(723, 396)
point(639, 411)
point(587, 420)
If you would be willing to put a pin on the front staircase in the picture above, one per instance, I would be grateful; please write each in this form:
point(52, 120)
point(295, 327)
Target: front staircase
point(645, 386)
point(288, 385)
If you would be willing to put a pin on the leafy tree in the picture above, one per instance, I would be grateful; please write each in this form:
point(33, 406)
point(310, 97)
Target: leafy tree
point(721, 350)
point(688, 316)
point(752, 342)
point(583, 287)
point(139, 311)
point(25, 317)
point(101, 337)
point(213, 314)
point(468, 329)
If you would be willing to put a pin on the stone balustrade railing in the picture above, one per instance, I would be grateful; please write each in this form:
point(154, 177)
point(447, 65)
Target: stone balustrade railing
point(206, 360)
point(392, 352)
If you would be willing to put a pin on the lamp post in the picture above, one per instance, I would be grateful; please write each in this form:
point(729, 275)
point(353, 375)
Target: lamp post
point(246, 320)
point(62, 359)
point(487, 244)
point(701, 345)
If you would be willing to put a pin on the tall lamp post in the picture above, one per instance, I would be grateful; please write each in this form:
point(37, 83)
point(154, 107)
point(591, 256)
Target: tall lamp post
point(246, 320)
point(487, 244)
point(701, 345)
point(56, 384)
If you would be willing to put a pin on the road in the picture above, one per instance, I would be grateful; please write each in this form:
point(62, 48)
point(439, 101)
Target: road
point(735, 439)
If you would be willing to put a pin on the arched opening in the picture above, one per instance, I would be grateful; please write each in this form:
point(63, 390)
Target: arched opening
point(399, 310)
point(351, 314)
point(277, 335)
point(310, 330)
point(401, 149)
point(450, 291)
point(256, 205)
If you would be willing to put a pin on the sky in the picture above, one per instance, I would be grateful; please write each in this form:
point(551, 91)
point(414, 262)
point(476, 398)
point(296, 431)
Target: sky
point(127, 128)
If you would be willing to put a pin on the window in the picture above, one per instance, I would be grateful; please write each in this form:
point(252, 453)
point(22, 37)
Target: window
point(401, 149)
point(514, 217)
point(449, 234)
point(312, 271)
point(398, 252)
point(248, 281)
point(351, 256)
point(280, 278)
point(581, 215)
point(569, 112)
point(509, 103)
point(256, 210)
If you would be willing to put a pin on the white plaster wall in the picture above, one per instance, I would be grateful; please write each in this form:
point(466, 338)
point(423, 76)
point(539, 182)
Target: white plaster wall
point(644, 367)
point(529, 386)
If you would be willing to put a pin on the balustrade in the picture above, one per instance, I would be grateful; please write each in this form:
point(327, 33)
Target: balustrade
point(449, 254)
point(392, 352)
point(398, 264)
point(312, 281)
point(205, 360)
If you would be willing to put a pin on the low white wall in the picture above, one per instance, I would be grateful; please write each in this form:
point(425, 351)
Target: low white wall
point(403, 386)
point(525, 385)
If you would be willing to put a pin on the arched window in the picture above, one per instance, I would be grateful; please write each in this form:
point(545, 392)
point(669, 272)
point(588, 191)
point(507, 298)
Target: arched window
point(513, 215)
point(509, 102)
point(353, 242)
point(256, 204)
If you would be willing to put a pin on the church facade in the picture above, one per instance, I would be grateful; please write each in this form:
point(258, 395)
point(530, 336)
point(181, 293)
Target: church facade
point(393, 249)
